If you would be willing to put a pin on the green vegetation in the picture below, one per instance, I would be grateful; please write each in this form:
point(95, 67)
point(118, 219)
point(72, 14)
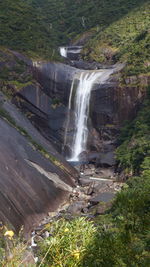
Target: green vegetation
point(38, 27)
point(14, 73)
point(68, 242)
point(119, 238)
point(10, 63)
point(120, 29)
point(125, 40)
point(121, 33)
point(11, 249)
point(135, 141)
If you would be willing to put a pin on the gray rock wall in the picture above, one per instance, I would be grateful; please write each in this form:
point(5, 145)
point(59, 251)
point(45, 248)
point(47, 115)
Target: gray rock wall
point(110, 105)
point(30, 184)
point(55, 78)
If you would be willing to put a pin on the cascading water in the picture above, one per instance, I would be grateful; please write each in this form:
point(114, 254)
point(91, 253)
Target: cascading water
point(75, 49)
point(63, 51)
point(87, 80)
point(69, 51)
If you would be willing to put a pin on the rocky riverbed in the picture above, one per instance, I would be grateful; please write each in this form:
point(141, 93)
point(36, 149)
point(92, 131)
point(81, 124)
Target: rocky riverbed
point(92, 196)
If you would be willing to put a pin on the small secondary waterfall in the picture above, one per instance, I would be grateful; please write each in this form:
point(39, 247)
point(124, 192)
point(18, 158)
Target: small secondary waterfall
point(69, 51)
point(63, 51)
point(87, 79)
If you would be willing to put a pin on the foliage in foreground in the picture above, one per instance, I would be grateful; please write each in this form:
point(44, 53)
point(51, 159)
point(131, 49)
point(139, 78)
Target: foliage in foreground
point(119, 238)
point(12, 249)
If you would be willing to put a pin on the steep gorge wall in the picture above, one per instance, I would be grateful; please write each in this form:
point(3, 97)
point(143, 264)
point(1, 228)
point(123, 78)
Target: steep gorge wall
point(111, 103)
point(55, 78)
point(34, 178)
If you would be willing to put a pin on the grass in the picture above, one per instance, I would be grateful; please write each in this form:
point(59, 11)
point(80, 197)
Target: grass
point(14, 251)
point(67, 245)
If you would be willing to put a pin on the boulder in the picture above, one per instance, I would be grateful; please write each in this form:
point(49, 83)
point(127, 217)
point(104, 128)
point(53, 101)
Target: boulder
point(77, 207)
point(106, 159)
point(100, 208)
point(102, 197)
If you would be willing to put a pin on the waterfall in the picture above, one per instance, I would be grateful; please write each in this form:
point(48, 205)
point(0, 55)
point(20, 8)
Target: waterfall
point(87, 79)
point(75, 49)
point(63, 51)
point(68, 51)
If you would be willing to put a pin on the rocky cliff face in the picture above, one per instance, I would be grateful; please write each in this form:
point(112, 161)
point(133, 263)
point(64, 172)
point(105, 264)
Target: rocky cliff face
point(34, 177)
point(111, 104)
point(55, 78)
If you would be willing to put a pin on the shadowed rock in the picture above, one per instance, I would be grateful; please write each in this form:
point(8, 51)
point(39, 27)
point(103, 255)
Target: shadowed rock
point(110, 105)
point(55, 78)
point(30, 184)
point(102, 197)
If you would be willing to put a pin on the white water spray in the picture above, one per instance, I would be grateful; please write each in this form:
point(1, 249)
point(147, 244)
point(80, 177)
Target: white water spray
point(63, 51)
point(87, 80)
point(76, 50)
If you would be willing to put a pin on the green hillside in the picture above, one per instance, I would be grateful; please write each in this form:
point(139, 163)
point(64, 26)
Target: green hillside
point(39, 27)
point(126, 40)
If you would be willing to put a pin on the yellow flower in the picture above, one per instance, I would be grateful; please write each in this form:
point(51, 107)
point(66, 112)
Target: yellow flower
point(66, 230)
point(9, 234)
point(76, 254)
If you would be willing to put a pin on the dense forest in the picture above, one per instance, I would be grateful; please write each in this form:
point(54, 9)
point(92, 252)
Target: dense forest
point(119, 31)
point(38, 27)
